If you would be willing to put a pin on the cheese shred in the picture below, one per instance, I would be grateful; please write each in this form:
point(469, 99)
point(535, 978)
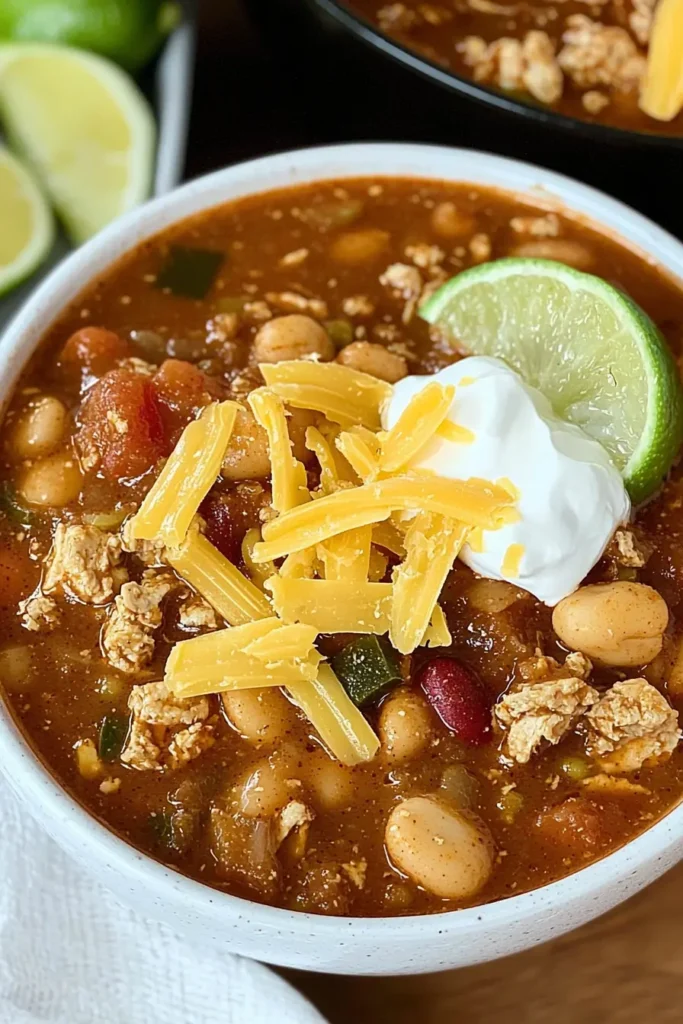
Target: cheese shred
point(343, 395)
point(288, 475)
point(190, 472)
point(432, 545)
point(233, 596)
point(474, 502)
point(416, 425)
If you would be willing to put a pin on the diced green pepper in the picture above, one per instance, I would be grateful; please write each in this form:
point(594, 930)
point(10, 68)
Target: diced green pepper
point(576, 768)
point(340, 332)
point(367, 668)
point(113, 733)
point(12, 508)
point(161, 828)
point(189, 272)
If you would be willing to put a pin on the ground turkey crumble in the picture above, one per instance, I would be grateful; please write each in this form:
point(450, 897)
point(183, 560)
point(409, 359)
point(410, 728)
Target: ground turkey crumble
point(515, 64)
point(84, 563)
point(196, 613)
point(294, 815)
point(166, 731)
point(633, 724)
point(150, 552)
point(542, 711)
point(600, 55)
point(128, 636)
point(39, 613)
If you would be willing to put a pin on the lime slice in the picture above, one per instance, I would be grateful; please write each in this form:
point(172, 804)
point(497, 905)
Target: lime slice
point(594, 354)
point(27, 230)
point(84, 127)
point(127, 31)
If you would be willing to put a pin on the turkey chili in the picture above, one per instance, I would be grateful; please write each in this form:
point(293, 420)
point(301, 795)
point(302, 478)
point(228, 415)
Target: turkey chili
point(244, 635)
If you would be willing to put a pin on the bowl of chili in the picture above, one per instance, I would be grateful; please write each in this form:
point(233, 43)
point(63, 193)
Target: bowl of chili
point(98, 781)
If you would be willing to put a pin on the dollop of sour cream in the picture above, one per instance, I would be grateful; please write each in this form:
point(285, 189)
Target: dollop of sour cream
point(571, 496)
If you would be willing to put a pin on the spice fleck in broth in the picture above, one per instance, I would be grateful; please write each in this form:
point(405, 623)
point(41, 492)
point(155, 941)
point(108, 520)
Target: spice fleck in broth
point(429, 799)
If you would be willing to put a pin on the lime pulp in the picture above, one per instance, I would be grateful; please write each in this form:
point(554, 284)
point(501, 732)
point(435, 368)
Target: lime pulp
point(595, 355)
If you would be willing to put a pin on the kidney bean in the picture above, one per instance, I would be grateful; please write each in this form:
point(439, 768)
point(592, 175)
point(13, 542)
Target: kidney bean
point(222, 525)
point(458, 698)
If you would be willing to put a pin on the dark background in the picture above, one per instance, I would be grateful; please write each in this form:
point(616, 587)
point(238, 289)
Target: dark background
point(266, 82)
point(269, 79)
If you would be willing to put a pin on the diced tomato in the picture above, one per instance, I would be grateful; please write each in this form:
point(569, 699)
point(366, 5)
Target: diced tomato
point(181, 390)
point(94, 350)
point(121, 423)
point(573, 827)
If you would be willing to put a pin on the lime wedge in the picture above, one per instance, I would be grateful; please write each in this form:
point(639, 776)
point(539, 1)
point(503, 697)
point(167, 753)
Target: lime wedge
point(84, 127)
point(594, 354)
point(127, 31)
point(27, 231)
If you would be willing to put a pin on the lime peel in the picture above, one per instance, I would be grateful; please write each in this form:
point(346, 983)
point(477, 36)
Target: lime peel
point(83, 126)
point(596, 356)
point(27, 224)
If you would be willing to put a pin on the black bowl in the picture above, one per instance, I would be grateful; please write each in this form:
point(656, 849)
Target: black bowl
point(334, 11)
point(319, 74)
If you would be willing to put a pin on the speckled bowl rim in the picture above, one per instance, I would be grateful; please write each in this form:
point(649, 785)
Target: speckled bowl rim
point(401, 944)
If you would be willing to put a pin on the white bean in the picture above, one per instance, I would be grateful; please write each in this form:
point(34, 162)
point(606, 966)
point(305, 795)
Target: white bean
point(40, 428)
point(264, 790)
point(620, 624)
point(447, 851)
point(405, 725)
point(332, 784)
point(376, 360)
point(52, 482)
point(291, 337)
point(261, 716)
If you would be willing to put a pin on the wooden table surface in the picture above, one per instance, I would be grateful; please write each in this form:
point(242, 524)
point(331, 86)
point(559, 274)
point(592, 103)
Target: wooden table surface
point(254, 95)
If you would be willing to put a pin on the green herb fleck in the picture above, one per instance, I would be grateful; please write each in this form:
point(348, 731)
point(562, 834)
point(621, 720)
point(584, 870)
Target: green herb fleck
point(12, 507)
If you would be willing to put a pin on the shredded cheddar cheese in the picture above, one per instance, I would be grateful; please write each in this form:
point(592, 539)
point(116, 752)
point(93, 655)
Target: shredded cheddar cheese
point(333, 606)
point(475, 539)
point(453, 432)
point(661, 94)
point(187, 477)
point(433, 542)
point(330, 479)
point(344, 395)
point(288, 475)
point(229, 660)
point(361, 455)
point(258, 574)
point(512, 560)
point(416, 426)
point(474, 502)
point(438, 633)
point(334, 543)
point(386, 535)
point(347, 556)
point(233, 596)
point(341, 725)
point(511, 488)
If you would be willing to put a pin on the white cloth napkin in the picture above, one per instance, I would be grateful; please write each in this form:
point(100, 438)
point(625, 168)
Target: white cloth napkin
point(70, 954)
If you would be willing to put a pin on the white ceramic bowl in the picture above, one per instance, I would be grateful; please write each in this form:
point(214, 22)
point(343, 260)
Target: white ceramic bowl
point(343, 945)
